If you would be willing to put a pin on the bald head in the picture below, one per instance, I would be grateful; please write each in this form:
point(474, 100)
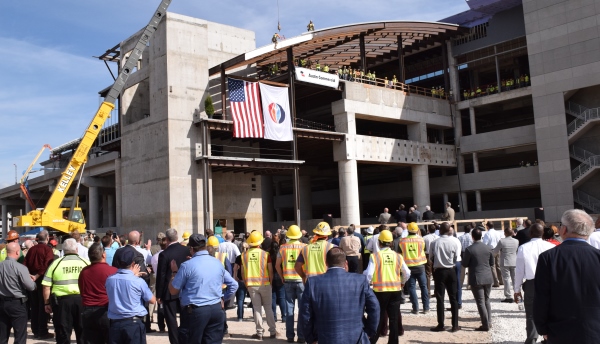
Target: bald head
point(13, 250)
point(134, 237)
point(229, 236)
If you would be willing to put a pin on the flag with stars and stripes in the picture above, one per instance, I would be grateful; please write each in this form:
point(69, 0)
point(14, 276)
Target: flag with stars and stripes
point(244, 99)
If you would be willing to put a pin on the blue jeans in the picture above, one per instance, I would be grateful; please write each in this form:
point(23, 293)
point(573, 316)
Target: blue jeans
point(240, 296)
point(279, 296)
point(417, 274)
point(457, 268)
point(293, 292)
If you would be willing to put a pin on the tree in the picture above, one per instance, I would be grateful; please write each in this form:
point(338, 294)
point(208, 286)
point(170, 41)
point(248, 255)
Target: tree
point(208, 106)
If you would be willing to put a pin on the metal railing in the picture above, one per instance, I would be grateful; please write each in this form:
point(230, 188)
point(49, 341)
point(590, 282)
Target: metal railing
point(575, 109)
point(584, 167)
point(580, 153)
point(111, 130)
point(306, 124)
point(586, 200)
point(587, 115)
point(410, 89)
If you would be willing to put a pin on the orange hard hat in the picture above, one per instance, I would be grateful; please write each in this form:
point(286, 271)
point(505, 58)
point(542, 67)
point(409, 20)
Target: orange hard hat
point(53, 242)
point(12, 235)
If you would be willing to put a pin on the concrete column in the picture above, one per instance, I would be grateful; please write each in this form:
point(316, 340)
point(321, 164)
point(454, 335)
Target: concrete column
point(454, 84)
point(420, 184)
point(349, 202)
point(472, 118)
point(118, 194)
point(93, 199)
point(305, 198)
point(457, 135)
point(475, 163)
point(27, 207)
point(478, 200)
point(110, 205)
point(463, 202)
point(417, 132)
point(445, 196)
point(4, 220)
point(268, 204)
point(345, 123)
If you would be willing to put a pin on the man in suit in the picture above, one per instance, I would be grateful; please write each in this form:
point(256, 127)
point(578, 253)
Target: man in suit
point(428, 214)
point(400, 214)
point(343, 323)
point(507, 247)
point(384, 217)
point(449, 214)
point(567, 298)
point(479, 258)
point(523, 235)
point(179, 253)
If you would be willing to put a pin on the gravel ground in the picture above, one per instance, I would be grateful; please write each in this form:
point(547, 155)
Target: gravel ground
point(508, 325)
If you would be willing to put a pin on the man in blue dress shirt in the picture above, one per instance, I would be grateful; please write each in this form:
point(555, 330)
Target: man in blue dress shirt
point(126, 294)
point(199, 283)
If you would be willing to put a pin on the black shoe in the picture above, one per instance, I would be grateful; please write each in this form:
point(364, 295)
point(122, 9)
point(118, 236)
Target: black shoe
point(455, 329)
point(290, 340)
point(150, 330)
point(459, 306)
point(483, 329)
point(507, 300)
point(438, 328)
point(414, 311)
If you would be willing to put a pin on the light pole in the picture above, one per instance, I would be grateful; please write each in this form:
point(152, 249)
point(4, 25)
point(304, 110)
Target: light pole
point(15, 173)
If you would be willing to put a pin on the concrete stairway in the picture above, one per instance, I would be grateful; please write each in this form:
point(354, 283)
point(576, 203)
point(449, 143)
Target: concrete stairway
point(587, 201)
point(575, 109)
point(584, 121)
point(580, 154)
point(585, 170)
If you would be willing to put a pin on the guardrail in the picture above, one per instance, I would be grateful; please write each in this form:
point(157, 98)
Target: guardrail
point(575, 109)
point(454, 223)
point(587, 115)
point(580, 153)
point(586, 200)
point(385, 83)
point(585, 166)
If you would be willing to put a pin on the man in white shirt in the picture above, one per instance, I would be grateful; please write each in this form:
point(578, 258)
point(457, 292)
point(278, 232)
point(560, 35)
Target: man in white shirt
point(373, 243)
point(466, 240)
point(527, 258)
point(491, 238)
point(82, 251)
point(429, 238)
point(594, 239)
point(230, 248)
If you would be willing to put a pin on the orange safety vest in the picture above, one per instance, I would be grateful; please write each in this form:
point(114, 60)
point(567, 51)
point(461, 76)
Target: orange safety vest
point(413, 250)
point(387, 270)
point(289, 253)
point(254, 267)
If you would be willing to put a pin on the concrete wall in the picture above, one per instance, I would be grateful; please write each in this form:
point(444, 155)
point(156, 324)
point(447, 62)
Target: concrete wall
point(233, 198)
point(563, 42)
point(500, 139)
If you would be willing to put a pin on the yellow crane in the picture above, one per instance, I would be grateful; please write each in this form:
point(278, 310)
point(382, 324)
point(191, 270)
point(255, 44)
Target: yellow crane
point(54, 215)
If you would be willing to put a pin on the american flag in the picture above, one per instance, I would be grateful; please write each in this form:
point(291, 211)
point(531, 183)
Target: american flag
point(244, 98)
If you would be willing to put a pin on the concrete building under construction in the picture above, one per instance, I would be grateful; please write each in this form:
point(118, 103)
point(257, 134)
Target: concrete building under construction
point(513, 129)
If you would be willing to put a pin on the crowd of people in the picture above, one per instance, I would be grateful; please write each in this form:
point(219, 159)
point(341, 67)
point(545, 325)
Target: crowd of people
point(108, 292)
point(505, 85)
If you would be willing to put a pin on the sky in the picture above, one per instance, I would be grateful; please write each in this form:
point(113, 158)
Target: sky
point(49, 80)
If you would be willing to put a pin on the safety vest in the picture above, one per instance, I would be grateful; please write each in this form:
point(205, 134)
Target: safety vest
point(289, 253)
point(413, 250)
point(3, 256)
point(388, 270)
point(221, 256)
point(254, 267)
point(314, 257)
point(63, 275)
point(367, 237)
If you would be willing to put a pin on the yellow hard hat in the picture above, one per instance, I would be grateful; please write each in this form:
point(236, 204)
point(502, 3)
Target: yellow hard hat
point(413, 228)
point(186, 235)
point(255, 239)
point(386, 236)
point(294, 232)
point(322, 229)
point(213, 241)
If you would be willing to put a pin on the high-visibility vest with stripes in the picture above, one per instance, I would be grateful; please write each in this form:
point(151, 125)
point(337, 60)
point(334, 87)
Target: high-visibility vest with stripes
point(289, 253)
point(367, 238)
point(221, 256)
point(413, 250)
point(388, 270)
point(254, 267)
point(63, 275)
point(314, 257)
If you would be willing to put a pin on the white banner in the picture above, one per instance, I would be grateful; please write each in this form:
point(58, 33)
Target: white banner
point(276, 113)
point(319, 78)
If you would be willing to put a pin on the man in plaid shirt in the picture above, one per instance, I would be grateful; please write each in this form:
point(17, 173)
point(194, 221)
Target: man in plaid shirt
point(465, 241)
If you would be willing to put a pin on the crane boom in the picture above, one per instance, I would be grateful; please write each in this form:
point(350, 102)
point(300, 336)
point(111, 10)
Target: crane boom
point(52, 215)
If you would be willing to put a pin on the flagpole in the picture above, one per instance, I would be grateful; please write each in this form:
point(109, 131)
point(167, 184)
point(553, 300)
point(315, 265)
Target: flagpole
point(292, 96)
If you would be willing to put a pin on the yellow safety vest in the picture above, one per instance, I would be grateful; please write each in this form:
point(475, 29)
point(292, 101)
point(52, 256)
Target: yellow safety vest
point(289, 253)
point(254, 267)
point(314, 257)
point(63, 275)
point(3, 256)
point(413, 250)
point(388, 270)
point(367, 237)
point(221, 256)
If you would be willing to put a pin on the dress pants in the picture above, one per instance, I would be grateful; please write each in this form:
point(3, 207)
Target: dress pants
point(293, 292)
point(445, 280)
point(498, 270)
point(170, 309)
point(495, 272)
point(457, 269)
point(96, 325)
point(352, 264)
point(481, 294)
point(508, 276)
point(39, 317)
point(67, 318)
point(13, 314)
point(389, 302)
point(262, 296)
point(127, 331)
point(429, 272)
point(528, 291)
point(204, 324)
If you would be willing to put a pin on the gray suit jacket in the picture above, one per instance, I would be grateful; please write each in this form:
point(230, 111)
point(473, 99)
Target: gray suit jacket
point(478, 258)
point(508, 251)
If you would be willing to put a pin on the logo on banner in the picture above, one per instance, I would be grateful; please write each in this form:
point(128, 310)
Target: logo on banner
point(276, 113)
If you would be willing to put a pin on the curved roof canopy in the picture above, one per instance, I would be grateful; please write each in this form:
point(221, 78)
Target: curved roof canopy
point(340, 46)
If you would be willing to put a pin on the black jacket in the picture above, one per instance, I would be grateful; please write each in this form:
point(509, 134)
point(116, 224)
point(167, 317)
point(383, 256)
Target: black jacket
point(412, 217)
point(177, 252)
point(428, 215)
point(566, 306)
point(400, 216)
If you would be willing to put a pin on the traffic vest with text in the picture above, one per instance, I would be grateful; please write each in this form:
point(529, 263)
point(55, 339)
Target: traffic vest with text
point(413, 250)
point(314, 257)
point(289, 255)
point(63, 275)
point(254, 267)
point(221, 256)
point(387, 270)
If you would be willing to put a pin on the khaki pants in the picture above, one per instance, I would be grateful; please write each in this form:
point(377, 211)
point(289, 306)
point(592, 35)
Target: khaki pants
point(152, 307)
point(262, 297)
